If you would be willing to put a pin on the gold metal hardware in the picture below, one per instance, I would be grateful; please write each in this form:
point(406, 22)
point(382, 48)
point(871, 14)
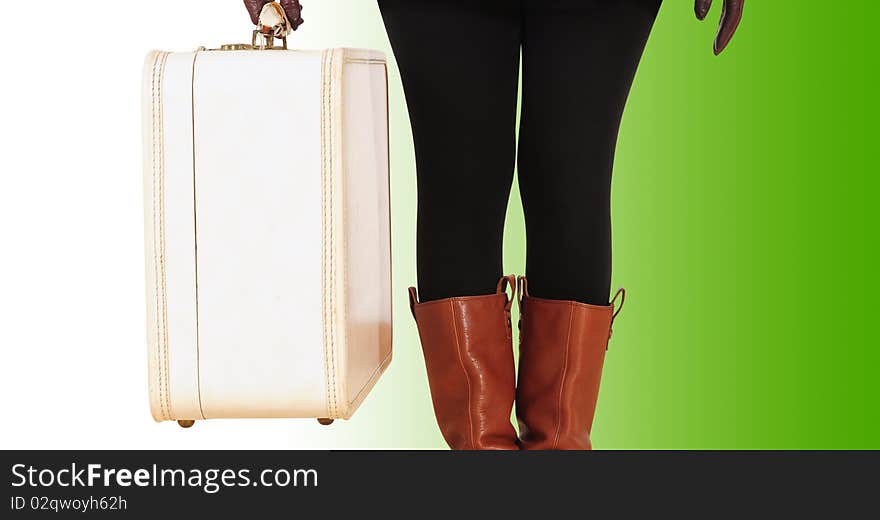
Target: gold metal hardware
point(236, 47)
point(267, 41)
point(260, 42)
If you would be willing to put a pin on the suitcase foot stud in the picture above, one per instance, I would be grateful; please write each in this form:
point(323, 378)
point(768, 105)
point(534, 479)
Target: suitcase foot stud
point(186, 424)
point(325, 422)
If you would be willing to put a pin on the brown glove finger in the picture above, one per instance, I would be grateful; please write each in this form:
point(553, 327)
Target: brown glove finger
point(294, 12)
point(701, 8)
point(254, 7)
point(730, 19)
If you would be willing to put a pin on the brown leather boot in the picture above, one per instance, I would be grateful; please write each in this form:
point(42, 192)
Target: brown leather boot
point(469, 356)
point(562, 350)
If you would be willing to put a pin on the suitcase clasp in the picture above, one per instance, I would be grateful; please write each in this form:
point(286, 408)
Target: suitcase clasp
point(259, 42)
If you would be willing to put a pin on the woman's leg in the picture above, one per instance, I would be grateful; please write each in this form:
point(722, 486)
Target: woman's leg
point(459, 62)
point(579, 60)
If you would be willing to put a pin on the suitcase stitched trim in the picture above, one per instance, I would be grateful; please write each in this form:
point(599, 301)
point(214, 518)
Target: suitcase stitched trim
point(327, 235)
point(158, 224)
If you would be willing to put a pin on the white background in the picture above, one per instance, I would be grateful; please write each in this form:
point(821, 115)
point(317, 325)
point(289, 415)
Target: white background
point(73, 372)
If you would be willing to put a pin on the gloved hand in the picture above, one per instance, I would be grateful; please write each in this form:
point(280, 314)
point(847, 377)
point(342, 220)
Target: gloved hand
point(731, 14)
point(291, 7)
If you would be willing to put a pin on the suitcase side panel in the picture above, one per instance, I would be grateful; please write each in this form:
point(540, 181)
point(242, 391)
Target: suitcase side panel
point(169, 237)
point(366, 293)
point(259, 211)
point(180, 238)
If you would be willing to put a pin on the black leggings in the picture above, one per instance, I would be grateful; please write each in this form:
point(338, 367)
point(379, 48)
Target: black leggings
point(460, 60)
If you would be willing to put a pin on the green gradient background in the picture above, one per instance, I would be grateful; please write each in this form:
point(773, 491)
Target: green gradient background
point(743, 232)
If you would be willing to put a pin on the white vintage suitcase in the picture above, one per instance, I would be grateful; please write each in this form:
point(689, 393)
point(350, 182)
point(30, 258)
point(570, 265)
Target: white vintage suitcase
point(267, 232)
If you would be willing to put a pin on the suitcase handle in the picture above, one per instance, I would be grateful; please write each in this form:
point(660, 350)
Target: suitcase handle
point(273, 23)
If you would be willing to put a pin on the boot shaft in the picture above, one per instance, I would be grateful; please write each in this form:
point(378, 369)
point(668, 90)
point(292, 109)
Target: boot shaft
point(562, 353)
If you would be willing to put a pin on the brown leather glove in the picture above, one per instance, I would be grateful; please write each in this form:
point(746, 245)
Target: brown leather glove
point(731, 14)
point(291, 7)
